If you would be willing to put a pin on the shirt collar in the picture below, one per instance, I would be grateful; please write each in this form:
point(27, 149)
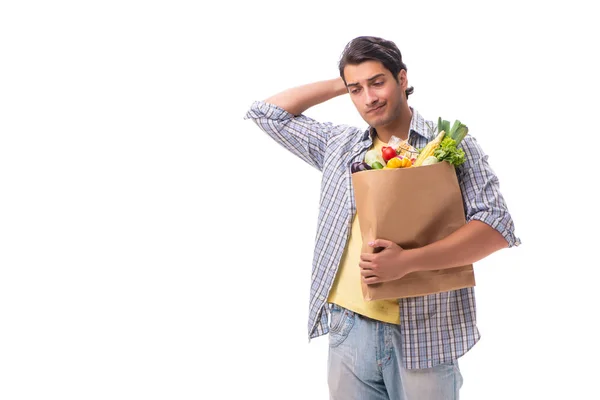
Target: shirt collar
point(418, 125)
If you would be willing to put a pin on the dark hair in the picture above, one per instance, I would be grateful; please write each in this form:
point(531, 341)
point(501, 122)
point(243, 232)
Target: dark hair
point(365, 48)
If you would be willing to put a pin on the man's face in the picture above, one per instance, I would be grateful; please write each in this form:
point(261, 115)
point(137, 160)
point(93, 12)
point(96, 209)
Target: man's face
point(375, 93)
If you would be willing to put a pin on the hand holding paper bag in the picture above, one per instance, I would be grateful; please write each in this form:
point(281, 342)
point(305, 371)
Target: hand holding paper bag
point(386, 264)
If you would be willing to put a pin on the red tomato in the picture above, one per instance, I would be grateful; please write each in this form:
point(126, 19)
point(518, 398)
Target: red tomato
point(388, 153)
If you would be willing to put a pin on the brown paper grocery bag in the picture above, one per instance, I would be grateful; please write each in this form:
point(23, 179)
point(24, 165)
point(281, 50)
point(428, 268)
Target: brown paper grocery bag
point(411, 207)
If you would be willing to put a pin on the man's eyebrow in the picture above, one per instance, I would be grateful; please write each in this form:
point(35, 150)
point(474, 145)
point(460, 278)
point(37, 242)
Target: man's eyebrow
point(369, 79)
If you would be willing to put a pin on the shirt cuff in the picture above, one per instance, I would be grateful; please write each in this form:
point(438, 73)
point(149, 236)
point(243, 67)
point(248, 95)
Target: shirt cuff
point(503, 224)
point(261, 109)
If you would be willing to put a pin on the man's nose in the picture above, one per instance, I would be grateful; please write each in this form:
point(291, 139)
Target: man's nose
point(371, 97)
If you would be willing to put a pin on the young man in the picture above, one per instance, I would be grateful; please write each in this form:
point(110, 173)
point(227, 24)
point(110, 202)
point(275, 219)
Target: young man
point(388, 349)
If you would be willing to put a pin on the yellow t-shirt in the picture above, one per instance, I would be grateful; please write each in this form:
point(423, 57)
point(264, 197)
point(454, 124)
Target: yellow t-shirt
point(347, 291)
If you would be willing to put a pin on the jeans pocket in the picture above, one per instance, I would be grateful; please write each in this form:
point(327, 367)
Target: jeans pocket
point(341, 322)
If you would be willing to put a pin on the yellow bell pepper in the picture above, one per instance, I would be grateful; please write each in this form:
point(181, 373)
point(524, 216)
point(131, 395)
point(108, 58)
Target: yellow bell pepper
point(406, 162)
point(394, 163)
point(398, 162)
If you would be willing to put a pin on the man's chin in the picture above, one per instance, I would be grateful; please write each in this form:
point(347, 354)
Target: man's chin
point(376, 122)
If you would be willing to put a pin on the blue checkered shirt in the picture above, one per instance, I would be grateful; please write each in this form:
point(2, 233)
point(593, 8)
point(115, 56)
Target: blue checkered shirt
point(437, 328)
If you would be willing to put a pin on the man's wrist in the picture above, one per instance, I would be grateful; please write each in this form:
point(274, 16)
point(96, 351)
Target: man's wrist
point(339, 86)
point(414, 259)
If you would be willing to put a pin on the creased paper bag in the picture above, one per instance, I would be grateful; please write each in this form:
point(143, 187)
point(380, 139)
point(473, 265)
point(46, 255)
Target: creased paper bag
point(411, 207)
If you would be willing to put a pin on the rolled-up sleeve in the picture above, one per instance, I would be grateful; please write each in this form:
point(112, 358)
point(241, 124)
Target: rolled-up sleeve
point(303, 136)
point(481, 192)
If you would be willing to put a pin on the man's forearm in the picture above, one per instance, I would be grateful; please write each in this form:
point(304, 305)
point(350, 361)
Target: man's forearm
point(299, 99)
point(469, 244)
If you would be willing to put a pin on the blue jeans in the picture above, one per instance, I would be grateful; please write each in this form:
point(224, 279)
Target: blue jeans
point(365, 363)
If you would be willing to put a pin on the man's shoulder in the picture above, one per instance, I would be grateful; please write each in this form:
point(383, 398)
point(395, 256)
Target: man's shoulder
point(349, 132)
point(422, 126)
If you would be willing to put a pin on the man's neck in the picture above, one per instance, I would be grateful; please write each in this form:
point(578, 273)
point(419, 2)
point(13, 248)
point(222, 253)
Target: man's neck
point(399, 127)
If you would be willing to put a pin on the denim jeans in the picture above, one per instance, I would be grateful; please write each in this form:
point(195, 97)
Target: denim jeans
point(365, 363)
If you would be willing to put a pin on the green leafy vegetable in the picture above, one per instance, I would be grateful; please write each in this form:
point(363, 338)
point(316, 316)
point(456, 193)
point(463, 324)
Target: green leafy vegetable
point(449, 152)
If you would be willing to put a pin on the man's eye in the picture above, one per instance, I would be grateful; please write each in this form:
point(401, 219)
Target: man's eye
point(378, 84)
point(354, 91)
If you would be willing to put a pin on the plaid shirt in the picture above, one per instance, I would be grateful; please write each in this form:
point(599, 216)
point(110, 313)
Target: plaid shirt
point(436, 328)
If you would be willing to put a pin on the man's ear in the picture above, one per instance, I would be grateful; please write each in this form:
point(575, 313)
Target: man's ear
point(403, 79)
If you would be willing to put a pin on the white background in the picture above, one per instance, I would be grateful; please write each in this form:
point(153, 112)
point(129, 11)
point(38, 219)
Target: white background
point(154, 245)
